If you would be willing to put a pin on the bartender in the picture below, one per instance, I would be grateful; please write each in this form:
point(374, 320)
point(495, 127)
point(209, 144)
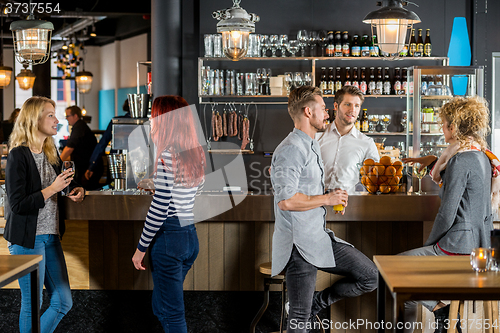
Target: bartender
point(343, 146)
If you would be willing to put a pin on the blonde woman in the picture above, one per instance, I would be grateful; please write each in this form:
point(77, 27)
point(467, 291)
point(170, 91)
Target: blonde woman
point(34, 182)
point(464, 173)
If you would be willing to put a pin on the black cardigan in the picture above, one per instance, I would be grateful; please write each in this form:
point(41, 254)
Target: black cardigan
point(25, 198)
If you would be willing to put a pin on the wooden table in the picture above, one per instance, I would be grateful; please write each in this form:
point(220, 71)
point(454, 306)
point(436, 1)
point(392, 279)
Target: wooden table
point(12, 267)
point(430, 278)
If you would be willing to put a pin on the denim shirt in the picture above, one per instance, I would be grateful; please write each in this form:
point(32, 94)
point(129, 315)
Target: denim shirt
point(297, 167)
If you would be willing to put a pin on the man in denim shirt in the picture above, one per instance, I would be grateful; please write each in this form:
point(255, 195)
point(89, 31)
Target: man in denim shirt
point(301, 242)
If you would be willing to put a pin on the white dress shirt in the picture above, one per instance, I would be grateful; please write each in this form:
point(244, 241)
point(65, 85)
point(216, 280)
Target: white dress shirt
point(343, 155)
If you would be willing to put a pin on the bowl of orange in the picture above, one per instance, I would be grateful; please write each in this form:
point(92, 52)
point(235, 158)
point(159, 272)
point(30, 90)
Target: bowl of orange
point(381, 177)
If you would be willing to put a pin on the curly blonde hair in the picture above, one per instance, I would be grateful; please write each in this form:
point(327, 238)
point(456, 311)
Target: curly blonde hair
point(471, 118)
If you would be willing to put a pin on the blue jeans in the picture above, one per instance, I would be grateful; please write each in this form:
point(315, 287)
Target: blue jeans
point(54, 274)
point(173, 252)
point(360, 276)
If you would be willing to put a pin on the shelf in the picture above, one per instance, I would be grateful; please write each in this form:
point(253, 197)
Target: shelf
point(373, 96)
point(400, 134)
point(230, 151)
point(323, 58)
point(436, 97)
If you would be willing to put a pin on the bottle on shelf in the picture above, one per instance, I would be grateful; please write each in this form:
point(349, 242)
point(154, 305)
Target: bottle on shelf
point(331, 80)
point(346, 47)
point(338, 81)
point(404, 52)
point(397, 81)
point(404, 80)
point(439, 80)
point(338, 44)
point(387, 82)
point(358, 124)
point(323, 84)
point(364, 121)
point(347, 76)
point(427, 43)
point(424, 85)
point(374, 50)
point(365, 46)
point(330, 48)
point(413, 44)
point(355, 47)
point(420, 45)
point(380, 83)
point(355, 79)
point(362, 83)
point(372, 85)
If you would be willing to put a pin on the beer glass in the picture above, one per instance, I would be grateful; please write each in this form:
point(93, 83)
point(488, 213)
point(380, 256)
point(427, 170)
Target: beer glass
point(68, 165)
point(283, 44)
point(386, 120)
point(303, 38)
point(307, 78)
point(298, 80)
point(288, 82)
point(217, 45)
point(209, 45)
point(273, 41)
point(293, 47)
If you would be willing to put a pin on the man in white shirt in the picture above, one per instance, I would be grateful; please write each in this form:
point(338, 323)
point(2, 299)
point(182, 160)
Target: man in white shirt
point(343, 146)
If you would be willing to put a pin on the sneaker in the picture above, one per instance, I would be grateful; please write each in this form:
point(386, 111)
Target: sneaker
point(287, 308)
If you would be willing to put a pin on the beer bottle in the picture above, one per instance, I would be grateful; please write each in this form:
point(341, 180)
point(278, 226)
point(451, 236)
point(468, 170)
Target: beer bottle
point(323, 83)
point(330, 48)
point(364, 121)
point(346, 49)
point(427, 43)
point(355, 48)
point(413, 44)
point(348, 77)
point(372, 85)
point(331, 80)
point(363, 86)
point(358, 124)
point(374, 50)
point(380, 82)
point(338, 81)
point(355, 81)
point(365, 46)
point(387, 82)
point(404, 80)
point(420, 44)
point(338, 44)
point(397, 81)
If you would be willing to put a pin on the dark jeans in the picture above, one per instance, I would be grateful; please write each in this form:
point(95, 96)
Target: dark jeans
point(173, 252)
point(360, 276)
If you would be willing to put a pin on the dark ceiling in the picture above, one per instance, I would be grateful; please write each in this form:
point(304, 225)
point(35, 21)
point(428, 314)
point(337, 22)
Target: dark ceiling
point(114, 20)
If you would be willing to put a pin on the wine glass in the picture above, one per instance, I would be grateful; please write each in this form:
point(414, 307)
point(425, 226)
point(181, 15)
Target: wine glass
point(288, 82)
point(298, 80)
point(273, 40)
point(265, 44)
point(419, 175)
point(303, 38)
point(140, 168)
point(293, 47)
point(372, 123)
point(307, 78)
point(66, 166)
point(375, 120)
point(313, 43)
point(322, 36)
point(261, 79)
point(283, 44)
point(386, 120)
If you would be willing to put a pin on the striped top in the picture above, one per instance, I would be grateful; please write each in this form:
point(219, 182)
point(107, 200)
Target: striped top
point(170, 200)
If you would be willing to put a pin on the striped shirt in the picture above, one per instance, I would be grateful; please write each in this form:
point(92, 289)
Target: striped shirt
point(170, 200)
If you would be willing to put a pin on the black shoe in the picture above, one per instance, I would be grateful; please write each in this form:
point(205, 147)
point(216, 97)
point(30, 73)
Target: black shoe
point(441, 315)
point(314, 324)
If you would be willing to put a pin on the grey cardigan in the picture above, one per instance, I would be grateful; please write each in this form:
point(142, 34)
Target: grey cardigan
point(464, 220)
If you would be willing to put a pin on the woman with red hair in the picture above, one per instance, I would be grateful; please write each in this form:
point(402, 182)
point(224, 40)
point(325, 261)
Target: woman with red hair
point(169, 229)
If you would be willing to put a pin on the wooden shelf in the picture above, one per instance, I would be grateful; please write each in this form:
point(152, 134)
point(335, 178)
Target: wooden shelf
point(322, 58)
point(230, 151)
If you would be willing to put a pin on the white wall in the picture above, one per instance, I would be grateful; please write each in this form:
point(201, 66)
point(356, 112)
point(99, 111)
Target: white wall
point(133, 50)
point(8, 93)
point(91, 99)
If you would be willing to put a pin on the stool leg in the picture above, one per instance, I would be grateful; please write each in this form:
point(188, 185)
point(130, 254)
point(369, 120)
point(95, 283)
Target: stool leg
point(488, 315)
point(283, 311)
point(454, 305)
point(263, 307)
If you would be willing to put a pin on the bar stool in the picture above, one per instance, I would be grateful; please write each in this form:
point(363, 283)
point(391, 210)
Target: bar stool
point(265, 269)
point(490, 314)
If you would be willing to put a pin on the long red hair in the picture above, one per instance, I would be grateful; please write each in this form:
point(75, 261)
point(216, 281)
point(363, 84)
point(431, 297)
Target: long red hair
point(173, 129)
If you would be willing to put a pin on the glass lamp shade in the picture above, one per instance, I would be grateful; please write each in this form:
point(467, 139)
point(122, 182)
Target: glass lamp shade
point(26, 79)
point(391, 34)
point(83, 81)
point(235, 44)
point(5, 76)
point(32, 40)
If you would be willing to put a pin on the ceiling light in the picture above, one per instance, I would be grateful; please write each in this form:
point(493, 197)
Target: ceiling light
point(92, 32)
point(83, 81)
point(235, 24)
point(32, 40)
point(26, 78)
point(391, 24)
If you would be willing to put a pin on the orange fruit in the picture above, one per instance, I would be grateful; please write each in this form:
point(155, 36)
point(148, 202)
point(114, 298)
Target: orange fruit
point(394, 180)
point(399, 173)
point(369, 161)
point(383, 180)
point(372, 188)
point(385, 160)
point(365, 169)
point(390, 170)
point(372, 180)
point(394, 188)
point(364, 180)
point(378, 170)
point(384, 188)
point(398, 165)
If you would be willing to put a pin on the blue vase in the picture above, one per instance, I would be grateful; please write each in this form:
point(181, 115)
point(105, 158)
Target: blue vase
point(459, 53)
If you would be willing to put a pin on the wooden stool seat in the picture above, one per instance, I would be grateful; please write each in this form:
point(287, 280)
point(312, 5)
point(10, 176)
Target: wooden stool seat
point(490, 315)
point(265, 269)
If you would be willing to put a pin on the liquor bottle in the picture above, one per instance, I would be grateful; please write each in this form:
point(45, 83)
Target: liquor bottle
point(427, 43)
point(355, 48)
point(348, 77)
point(331, 80)
point(380, 82)
point(338, 81)
point(363, 86)
point(413, 44)
point(338, 44)
point(420, 45)
point(372, 85)
point(323, 85)
point(330, 48)
point(355, 80)
point(387, 82)
point(397, 81)
point(365, 46)
point(364, 121)
point(346, 48)
point(374, 50)
point(404, 80)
